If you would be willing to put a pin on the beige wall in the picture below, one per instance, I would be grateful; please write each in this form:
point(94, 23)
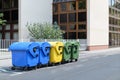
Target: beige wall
point(31, 11)
point(97, 22)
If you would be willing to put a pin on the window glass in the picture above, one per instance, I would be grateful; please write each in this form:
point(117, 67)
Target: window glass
point(0, 35)
point(72, 27)
point(65, 35)
point(7, 27)
point(82, 4)
point(7, 35)
point(63, 7)
point(72, 6)
point(15, 35)
point(72, 35)
point(63, 27)
point(15, 26)
point(63, 18)
point(55, 18)
point(82, 27)
point(6, 15)
point(113, 2)
point(82, 16)
point(55, 8)
point(0, 27)
point(0, 4)
point(72, 17)
point(14, 3)
point(82, 35)
point(6, 3)
point(15, 15)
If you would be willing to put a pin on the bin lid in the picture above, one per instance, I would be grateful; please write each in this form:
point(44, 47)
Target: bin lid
point(19, 46)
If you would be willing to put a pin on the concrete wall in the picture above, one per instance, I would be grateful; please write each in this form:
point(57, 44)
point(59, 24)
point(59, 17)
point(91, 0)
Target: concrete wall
point(31, 11)
point(97, 23)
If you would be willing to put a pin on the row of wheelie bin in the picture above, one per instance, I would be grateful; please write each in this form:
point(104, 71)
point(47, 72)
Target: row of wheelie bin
point(27, 55)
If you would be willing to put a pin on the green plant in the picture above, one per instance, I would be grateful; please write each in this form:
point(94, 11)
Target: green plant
point(44, 31)
point(2, 22)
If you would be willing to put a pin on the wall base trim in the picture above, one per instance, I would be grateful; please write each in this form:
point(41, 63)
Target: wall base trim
point(97, 47)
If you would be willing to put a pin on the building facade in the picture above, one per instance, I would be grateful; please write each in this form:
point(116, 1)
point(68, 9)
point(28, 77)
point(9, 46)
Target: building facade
point(19, 13)
point(84, 19)
point(114, 23)
point(97, 21)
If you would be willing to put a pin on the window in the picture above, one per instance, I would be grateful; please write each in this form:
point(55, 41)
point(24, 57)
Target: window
point(15, 15)
point(14, 3)
point(72, 27)
point(82, 27)
point(72, 5)
point(7, 27)
point(15, 35)
point(65, 35)
point(63, 7)
point(15, 27)
point(0, 4)
point(110, 3)
point(0, 28)
point(63, 27)
point(82, 35)
point(82, 4)
point(55, 18)
point(113, 2)
point(63, 18)
point(72, 17)
point(82, 16)
point(55, 8)
point(0, 35)
point(72, 35)
point(7, 15)
point(7, 35)
point(6, 3)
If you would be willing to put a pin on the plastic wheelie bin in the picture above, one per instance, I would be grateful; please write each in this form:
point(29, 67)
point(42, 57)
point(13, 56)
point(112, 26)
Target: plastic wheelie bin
point(75, 50)
point(44, 50)
point(56, 52)
point(24, 54)
point(67, 51)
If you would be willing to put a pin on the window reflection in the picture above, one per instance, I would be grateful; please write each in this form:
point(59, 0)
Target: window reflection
point(72, 17)
point(55, 8)
point(82, 4)
point(63, 18)
point(63, 7)
point(72, 6)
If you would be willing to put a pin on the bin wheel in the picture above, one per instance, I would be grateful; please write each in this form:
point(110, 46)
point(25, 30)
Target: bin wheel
point(53, 64)
point(47, 65)
point(76, 60)
point(12, 68)
point(35, 67)
point(59, 63)
point(25, 68)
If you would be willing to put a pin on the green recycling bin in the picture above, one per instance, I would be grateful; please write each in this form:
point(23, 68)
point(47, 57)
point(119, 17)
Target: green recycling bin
point(75, 51)
point(67, 51)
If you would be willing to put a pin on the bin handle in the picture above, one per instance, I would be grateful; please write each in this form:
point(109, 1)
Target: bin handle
point(34, 51)
point(45, 52)
point(66, 49)
point(58, 49)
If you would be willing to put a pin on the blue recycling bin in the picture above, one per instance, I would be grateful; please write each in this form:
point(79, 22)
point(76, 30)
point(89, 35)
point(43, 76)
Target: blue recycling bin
point(44, 50)
point(24, 54)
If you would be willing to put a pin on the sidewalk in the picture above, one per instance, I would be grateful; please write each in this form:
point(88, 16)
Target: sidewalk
point(105, 52)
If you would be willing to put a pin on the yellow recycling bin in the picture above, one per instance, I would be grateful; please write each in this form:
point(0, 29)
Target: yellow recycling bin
point(56, 52)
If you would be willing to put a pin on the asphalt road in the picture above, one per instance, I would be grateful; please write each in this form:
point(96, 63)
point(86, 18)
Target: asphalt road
point(99, 67)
